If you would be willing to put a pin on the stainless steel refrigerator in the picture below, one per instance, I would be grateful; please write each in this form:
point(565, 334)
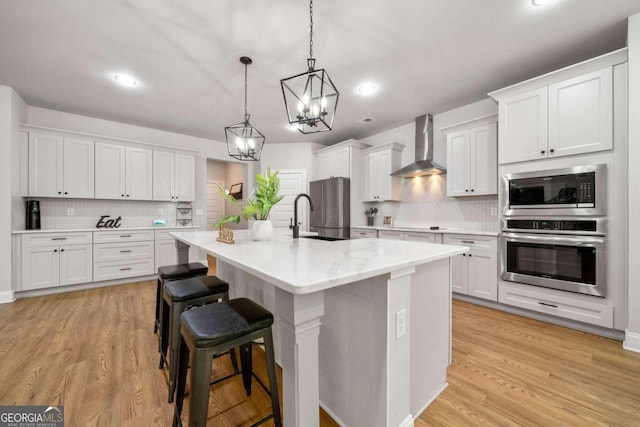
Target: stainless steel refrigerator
point(330, 214)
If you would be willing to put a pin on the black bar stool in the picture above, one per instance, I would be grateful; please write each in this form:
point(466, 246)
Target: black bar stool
point(178, 296)
point(175, 272)
point(213, 329)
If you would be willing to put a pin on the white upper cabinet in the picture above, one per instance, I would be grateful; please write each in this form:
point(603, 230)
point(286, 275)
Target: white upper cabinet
point(567, 112)
point(334, 163)
point(173, 176)
point(123, 172)
point(377, 165)
point(472, 164)
point(60, 167)
point(581, 114)
point(523, 126)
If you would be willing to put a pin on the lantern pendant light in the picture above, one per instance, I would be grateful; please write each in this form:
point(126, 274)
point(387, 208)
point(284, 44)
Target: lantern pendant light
point(244, 142)
point(310, 98)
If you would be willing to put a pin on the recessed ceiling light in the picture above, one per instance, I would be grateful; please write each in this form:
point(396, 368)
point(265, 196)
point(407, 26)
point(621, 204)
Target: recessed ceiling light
point(367, 89)
point(540, 2)
point(125, 80)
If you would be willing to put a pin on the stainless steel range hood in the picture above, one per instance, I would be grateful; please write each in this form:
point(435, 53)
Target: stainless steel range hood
point(424, 164)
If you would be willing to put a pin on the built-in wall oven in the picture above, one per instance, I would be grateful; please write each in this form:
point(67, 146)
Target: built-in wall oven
point(567, 254)
point(578, 190)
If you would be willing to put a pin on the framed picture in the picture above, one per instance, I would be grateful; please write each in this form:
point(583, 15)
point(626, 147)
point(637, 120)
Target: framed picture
point(236, 191)
point(387, 221)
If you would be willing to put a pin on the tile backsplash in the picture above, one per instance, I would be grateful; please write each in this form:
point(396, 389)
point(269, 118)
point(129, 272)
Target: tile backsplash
point(54, 213)
point(425, 203)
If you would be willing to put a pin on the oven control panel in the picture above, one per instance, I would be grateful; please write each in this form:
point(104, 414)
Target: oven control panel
point(553, 224)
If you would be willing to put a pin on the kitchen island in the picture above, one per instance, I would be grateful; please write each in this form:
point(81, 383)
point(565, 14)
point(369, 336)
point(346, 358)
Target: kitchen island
point(362, 326)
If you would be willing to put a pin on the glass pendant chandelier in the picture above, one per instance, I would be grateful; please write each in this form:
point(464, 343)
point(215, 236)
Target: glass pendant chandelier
point(244, 142)
point(310, 98)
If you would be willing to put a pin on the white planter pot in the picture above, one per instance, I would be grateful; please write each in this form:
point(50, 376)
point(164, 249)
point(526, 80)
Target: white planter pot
point(262, 230)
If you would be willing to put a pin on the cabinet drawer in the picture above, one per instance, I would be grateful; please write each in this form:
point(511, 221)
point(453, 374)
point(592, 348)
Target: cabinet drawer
point(363, 233)
point(562, 306)
point(119, 270)
point(55, 239)
point(389, 234)
point(122, 236)
point(164, 233)
point(122, 251)
point(473, 242)
point(420, 237)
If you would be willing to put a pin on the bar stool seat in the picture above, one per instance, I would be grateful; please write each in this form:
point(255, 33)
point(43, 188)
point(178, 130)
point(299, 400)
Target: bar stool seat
point(175, 272)
point(178, 296)
point(215, 328)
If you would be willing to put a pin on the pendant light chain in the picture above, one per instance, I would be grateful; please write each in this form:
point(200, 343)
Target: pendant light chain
point(311, 29)
point(245, 90)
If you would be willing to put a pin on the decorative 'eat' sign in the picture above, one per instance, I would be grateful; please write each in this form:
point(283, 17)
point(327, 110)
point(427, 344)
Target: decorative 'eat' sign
point(108, 223)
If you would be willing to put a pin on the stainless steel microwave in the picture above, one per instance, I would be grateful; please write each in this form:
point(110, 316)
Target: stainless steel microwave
point(578, 190)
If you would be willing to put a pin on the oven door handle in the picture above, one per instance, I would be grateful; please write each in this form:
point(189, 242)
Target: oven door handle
point(587, 241)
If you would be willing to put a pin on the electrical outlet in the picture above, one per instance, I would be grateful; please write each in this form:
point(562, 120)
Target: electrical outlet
point(160, 211)
point(401, 323)
point(70, 212)
point(494, 211)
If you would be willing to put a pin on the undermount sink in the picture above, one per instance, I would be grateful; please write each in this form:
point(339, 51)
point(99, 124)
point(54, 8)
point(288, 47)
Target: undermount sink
point(328, 239)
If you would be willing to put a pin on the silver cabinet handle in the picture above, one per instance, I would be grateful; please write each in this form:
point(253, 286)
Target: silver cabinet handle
point(547, 304)
point(58, 238)
point(125, 269)
point(124, 252)
point(468, 241)
point(125, 235)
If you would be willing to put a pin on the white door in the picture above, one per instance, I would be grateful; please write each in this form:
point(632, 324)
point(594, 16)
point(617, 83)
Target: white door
point(139, 174)
point(457, 164)
point(215, 203)
point(184, 180)
point(523, 127)
point(110, 171)
point(581, 114)
point(482, 160)
point(40, 267)
point(292, 183)
point(45, 165)
point(76, 264)
point(163, 175)
point(78, 163)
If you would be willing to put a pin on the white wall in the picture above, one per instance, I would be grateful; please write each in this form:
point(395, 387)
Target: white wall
point(298, 155)
point(12, 111)
point(632, 339)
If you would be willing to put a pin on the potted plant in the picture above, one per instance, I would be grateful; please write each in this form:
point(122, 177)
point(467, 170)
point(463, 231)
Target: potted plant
point(257, 207)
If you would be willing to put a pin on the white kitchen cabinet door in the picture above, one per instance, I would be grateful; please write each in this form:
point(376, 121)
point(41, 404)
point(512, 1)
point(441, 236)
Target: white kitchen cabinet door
point(390, 234)
point(110, 173)
point(420, 237)
point(342, 162)
point(523, 127)
point(163, 175)
point(139, 174)
point(377, 165)
point(482, 275)
point(369, 171)
point(384, 180)
point(581, 114)
point(325, 165)
point(40, 267)
point(458, 164)
point(79, 161)
point(76, 264)
point(483, 160)
point(459, 267)
point(166, 253)
point(184, 179)
point(45, 165)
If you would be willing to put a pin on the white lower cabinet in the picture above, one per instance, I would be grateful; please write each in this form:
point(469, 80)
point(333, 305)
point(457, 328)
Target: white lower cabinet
point(414, 236)
point(364, 233)
point(547, 301)
point(165, 249)
point(51, 260)
point(476, 272)
point(121, 254)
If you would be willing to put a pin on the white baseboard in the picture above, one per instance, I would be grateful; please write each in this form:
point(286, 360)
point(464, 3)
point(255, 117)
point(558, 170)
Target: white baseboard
point(407, 422)
point(331, 414)
point(426, 405)
point(84, 286)
point(631, 341)
point(6, 297)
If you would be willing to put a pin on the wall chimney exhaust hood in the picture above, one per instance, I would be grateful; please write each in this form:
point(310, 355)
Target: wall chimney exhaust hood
point(424, 164)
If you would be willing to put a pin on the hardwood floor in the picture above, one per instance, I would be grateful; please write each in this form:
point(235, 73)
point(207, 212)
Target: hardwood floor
point(94, 352)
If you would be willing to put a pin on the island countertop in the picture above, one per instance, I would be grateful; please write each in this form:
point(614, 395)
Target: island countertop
point(302, 266)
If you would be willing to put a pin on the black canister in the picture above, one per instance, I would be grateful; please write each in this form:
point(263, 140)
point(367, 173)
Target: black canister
point(33, 215)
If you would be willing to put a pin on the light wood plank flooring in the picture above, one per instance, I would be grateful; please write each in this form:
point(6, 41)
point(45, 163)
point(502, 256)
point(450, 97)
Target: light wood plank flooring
point(94, 352)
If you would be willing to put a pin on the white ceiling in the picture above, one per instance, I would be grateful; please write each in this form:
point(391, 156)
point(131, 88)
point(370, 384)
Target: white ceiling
point(425, 56)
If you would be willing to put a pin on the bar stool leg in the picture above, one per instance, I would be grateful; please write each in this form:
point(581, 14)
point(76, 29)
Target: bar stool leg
point(247, 365)
point(200, 377)
point(234, 361)
point(165, 310)
point(183, 366)
point(158, 292)
point(174, 337)
point(273, 379)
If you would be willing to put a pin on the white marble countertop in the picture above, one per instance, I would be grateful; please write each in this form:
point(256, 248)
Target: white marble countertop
point(71, 230)
point(302, 266)
point(443, 230)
